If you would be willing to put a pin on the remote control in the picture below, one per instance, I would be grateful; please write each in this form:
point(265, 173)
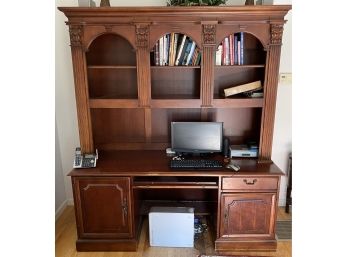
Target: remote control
point(232, 166)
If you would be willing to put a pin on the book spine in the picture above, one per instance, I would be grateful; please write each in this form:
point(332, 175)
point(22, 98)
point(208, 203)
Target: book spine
point(242, 48)
point(198, 61)
point(183, 51)
point(182, 43)
point(157, 59)
point(175, 46)
point(231, 49)
point(218, 55)
point(238, 52)
point(187, 51)
point(236, 48)
point(189, 57)
point(226, 52)
point(168, 48)
point(161, 51)
point(194, 57)
point(171, 45)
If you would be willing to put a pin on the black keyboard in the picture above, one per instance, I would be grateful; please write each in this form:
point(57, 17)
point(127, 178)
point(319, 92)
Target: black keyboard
point(195, 164)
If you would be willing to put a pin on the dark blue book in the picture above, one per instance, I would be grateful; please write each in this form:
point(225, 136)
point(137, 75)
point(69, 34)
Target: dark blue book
point(183, 51)
point(187, 52)
point(241, 48)
point(235, 37)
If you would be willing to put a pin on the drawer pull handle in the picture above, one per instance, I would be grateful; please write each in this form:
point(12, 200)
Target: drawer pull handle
point(250, 182)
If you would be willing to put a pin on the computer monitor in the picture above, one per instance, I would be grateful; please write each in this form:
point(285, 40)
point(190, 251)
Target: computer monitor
point(196, 137)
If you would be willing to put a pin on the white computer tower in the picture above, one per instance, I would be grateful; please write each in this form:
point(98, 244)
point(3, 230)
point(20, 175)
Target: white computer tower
point(171, 226)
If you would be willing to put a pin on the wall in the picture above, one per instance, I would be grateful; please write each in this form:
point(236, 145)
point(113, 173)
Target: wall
point(60, 194)
point(66, 116)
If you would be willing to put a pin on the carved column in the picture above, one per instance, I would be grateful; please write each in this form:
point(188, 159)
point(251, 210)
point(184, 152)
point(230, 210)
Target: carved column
point(207, 66)
point(270, 92)
point(143, 64)
point(144, 74)
point(81, 88)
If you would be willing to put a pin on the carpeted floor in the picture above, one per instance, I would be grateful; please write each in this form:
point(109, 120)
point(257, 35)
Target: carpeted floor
point(284, 229)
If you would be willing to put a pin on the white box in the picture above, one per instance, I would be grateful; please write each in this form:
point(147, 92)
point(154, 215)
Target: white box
point(171, 226)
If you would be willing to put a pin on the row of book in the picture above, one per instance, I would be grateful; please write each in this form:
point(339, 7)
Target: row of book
point(231, 50)
point(176, 49)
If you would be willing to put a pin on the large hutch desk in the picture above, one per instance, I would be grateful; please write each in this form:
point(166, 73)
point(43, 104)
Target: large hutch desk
point(125, 103)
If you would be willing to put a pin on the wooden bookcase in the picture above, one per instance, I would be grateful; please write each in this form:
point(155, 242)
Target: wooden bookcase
point(125, 103)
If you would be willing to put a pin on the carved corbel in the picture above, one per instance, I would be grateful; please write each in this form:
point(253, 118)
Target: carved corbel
point(76, 34)
point(142, 36)
point(209, 34)
point(276, 34)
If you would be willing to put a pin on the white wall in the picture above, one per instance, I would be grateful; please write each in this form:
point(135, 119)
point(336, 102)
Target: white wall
point(66, 116)
point(60, 194)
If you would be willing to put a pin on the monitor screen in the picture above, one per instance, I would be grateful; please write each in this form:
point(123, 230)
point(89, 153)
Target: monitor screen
point(196, 137)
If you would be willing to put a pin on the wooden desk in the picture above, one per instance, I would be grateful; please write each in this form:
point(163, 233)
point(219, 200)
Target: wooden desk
point(110, 200)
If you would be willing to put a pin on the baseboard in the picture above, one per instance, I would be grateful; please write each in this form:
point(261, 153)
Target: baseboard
point(70, 202)
point(61, 208)
point(281, 201)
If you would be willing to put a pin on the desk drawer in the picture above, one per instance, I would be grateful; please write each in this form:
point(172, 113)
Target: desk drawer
point(249, 183)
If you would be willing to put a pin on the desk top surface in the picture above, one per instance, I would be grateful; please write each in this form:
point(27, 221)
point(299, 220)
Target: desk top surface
point(156, 163)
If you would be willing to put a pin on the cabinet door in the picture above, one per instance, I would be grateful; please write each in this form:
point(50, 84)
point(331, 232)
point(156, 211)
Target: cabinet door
point(248, 215)
point(103, 207)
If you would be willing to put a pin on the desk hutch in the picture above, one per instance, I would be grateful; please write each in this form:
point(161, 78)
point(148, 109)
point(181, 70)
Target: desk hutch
point(125, 105)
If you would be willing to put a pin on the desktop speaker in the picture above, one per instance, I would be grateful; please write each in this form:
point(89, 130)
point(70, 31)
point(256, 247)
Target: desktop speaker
point(226, 147)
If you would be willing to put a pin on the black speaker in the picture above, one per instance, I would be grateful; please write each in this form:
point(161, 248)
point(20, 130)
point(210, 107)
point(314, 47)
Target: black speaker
point(226, 147)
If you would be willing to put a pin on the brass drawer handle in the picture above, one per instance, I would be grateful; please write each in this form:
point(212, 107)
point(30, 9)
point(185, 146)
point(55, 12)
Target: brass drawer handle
point(251, 182)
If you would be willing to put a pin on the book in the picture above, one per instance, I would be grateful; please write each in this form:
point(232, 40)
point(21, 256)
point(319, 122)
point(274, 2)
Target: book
point(218, 55)
point(161, 51)
point(231, 49)
point(171, 49)
point(175, 46)
point(242, 88)
point(189, 57)
point(182, 43)
point(226, 52)
point(235, 48)
point(238, 51)
point(187, 52)
point(157, 56)
point(198, 61)
point(242, 48)
point(194, 57)
point(182, 55)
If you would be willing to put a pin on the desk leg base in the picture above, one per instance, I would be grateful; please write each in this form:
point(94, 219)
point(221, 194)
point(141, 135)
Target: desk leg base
point(225, 246)
point(104, 245)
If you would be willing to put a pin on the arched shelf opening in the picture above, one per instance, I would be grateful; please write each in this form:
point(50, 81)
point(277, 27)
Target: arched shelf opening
point(111, 49)
point(175, 49)
point(112, 73)
point(240, 48)
point(239, 60)
point(175, 67)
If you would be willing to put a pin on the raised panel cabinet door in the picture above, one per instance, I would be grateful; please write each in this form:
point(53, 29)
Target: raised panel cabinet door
point(104, 207)
point(247, 215)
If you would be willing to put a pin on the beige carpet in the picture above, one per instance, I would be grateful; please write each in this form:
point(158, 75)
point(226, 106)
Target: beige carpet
point(284, 229)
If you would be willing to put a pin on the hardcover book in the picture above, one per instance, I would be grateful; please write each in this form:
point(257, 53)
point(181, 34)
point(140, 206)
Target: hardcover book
point(242, 88)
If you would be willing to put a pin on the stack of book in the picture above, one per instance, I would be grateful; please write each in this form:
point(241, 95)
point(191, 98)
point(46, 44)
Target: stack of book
point(231, 50)
point(176, 49)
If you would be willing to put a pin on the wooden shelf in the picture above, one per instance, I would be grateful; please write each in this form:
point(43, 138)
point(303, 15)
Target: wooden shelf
point(111, 67)
point(239, 66)
point(176, 67)
point(176, 103)
point(113, 103)
point(238, 103)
